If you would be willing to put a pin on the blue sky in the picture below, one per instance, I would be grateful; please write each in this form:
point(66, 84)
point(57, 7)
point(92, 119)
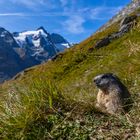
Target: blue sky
point(73, 19)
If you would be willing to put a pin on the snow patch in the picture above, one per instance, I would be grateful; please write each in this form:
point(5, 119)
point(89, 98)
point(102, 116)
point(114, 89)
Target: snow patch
point(37, 41)
point(62, 46)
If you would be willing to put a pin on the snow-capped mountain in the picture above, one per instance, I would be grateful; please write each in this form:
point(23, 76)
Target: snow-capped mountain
point(21, 50)
point(40, 44)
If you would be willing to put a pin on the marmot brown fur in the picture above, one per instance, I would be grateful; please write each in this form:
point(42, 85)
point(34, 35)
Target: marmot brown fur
point(113, 96)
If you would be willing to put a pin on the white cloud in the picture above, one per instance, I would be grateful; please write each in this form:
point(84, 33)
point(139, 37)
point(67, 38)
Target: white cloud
point(104, 12)
point(115, 10)
point(64, 2)
point(39, 14)
point(74, 24)
point(11, 14)
point(35, 4)
point(79, 15)
point(28, 3)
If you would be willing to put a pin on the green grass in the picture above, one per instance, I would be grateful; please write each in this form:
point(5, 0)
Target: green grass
point(25, 109)
point(56, 100)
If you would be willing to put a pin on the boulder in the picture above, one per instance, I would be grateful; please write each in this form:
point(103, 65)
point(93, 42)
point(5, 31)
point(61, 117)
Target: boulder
point(103, 42)
point(127, 23)
point(128, 19)
point(115, 36)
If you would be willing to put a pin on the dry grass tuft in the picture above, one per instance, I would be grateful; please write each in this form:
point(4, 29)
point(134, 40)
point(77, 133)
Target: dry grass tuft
point(134, 48)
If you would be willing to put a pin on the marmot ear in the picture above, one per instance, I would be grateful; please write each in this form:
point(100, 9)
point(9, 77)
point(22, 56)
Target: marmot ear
point(114, 75)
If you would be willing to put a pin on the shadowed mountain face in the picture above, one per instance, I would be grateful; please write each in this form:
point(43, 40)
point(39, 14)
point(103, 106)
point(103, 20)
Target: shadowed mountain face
point(22, 50)
point(10, 62)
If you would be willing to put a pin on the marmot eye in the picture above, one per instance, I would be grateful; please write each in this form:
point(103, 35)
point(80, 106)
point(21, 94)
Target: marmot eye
point(94, 80)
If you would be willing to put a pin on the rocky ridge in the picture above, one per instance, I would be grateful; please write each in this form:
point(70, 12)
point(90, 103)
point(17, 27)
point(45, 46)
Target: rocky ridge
point(125, 25)
point(135, 4)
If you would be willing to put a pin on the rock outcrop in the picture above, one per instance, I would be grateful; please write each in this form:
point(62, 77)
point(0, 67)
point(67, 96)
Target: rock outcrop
point(133, 6)
point(126, 24)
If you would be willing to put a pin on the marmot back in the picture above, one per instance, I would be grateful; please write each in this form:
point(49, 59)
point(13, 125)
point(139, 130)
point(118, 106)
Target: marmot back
point(113, 97)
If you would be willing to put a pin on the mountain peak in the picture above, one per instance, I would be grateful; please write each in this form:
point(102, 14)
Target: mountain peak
point(41, 45)
point(42, 28)
point(2, 29)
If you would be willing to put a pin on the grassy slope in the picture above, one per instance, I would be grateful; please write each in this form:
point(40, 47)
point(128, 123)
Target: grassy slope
point(32, 106)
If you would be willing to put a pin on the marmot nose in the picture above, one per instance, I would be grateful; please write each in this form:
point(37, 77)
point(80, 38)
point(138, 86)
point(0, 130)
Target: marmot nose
point(94, 80)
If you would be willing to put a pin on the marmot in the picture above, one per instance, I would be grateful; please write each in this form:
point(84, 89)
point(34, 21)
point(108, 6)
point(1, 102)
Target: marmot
point(113, 97)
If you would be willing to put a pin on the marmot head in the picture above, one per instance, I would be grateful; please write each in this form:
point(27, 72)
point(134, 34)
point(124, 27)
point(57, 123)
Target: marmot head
point(104, 81)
